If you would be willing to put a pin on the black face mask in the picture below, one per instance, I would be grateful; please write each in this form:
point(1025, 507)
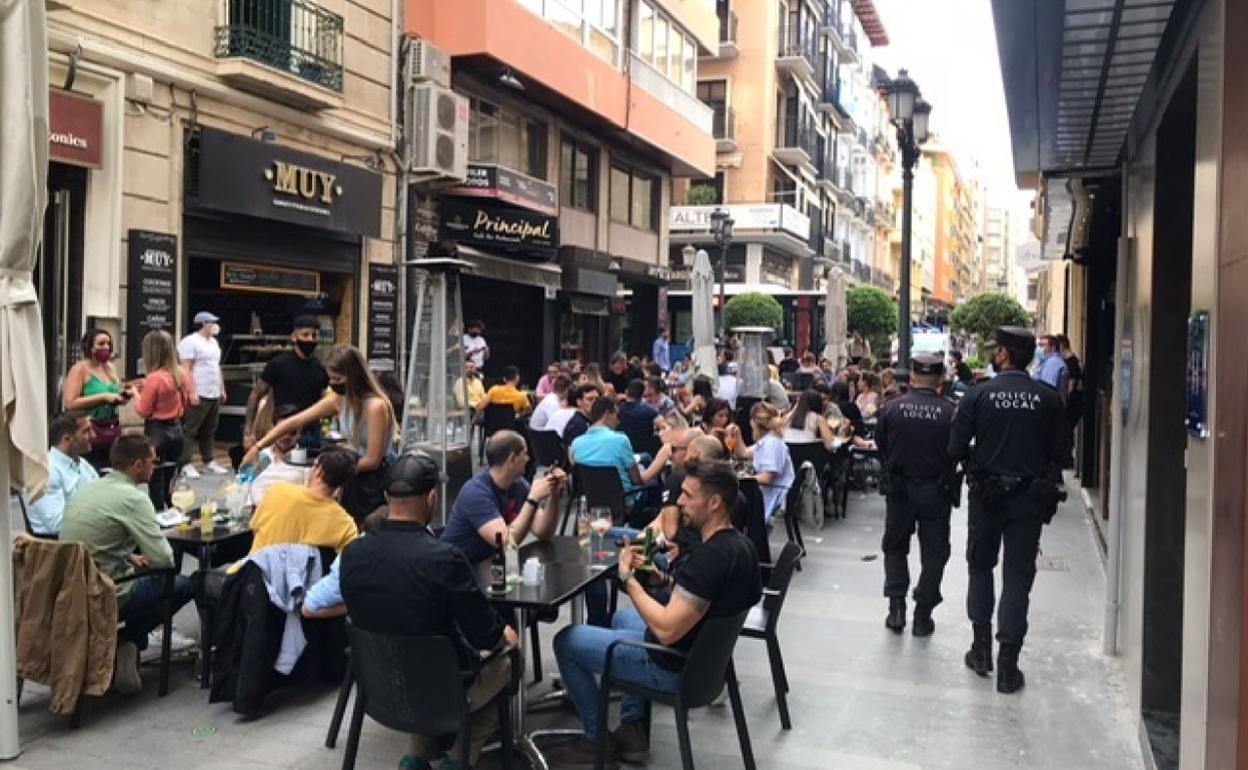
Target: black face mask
point(338, 387)
point(306, 347)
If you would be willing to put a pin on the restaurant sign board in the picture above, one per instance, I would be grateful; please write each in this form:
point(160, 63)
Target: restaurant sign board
point(513, 231)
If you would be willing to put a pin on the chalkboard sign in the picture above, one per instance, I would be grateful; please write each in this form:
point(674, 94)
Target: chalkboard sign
point(383, 301)
point(151, 272)
point(238, 276)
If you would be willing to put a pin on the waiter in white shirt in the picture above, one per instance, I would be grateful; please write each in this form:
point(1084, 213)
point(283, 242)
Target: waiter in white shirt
point(200, 352)
point(475, 348)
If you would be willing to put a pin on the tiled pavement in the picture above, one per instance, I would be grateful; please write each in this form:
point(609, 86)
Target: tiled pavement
point(862, 698)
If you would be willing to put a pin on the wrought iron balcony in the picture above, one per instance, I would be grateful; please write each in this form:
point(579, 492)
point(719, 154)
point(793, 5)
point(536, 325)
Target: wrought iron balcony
point(292, 36)
point(798, 54)
point(795, 146)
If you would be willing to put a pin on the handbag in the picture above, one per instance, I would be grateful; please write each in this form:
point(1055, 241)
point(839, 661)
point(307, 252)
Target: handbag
point(365, 492)
point(106, 432)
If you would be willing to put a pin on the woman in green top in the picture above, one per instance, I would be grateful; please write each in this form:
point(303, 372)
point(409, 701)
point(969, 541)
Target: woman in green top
point(94, 386)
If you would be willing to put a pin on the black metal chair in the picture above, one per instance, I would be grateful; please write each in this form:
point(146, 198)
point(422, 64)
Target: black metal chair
point(792, 518)
point(413, 684)
point(839, 466)
point(707, 668)
point(548, 448)
point(30, 529)
point(601, 486)
point(763, 620)
point(497, 417)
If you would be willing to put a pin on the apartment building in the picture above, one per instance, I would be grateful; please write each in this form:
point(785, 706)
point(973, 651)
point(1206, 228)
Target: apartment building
point(591, 107)
point(998, 246)
point(796, 128)
point(208, 157)
point(957, 232)
point(923, 210)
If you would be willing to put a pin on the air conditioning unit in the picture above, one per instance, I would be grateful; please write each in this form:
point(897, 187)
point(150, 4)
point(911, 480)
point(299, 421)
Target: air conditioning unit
point(437, 132)
point(427, 63)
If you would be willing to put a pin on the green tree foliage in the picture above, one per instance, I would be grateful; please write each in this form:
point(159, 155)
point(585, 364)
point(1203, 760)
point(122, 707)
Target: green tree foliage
point(701, 195)
point(871, 312)
point(754, 309)
point(983, 314)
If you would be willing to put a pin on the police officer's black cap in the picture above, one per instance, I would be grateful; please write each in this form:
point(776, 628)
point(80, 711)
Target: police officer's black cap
point(927, 365)
point(1015, 337)
point(411, 475)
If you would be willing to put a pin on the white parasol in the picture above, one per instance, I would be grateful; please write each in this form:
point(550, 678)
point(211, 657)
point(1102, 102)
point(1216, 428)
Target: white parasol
point(702, 281)
point(834, 322)
point(23, 195)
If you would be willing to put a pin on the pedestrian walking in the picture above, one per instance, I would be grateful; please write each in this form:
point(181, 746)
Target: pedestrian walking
point(1018, 426)
point(1051, 368)
point(200, 352)
point(660, 351)
point(921, 488)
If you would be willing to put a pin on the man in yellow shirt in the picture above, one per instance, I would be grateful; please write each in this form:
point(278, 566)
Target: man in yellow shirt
point(470, 387)
point(507, 393)
point(308, 514)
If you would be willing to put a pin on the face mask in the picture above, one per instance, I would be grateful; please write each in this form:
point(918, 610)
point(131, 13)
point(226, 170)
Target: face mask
point(306, 347)
point(338, 387)
point(103, 355)
point(216, 330)
point(473, 333)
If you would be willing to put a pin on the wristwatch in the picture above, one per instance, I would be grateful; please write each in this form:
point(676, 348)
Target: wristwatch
point(533, 503)
point(624, 577)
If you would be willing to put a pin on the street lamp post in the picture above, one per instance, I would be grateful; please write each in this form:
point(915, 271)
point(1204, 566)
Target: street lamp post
point(721, 229)
point(909, 116)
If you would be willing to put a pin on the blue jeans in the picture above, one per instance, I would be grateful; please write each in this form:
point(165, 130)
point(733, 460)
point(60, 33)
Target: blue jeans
point(142, 608)
point(582, 653)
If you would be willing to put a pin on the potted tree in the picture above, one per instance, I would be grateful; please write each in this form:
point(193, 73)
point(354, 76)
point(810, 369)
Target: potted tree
point(755, 318)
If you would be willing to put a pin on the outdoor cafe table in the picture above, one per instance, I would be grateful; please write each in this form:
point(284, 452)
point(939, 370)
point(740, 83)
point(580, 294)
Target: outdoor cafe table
point(569, 571)
point(233, 538)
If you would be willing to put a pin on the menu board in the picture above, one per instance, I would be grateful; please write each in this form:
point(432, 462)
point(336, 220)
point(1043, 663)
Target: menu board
point(383, 309)
point(152, 270)
point(269, 280)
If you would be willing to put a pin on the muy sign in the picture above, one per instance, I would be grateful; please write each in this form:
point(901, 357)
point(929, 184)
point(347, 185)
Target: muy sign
point(303, 182)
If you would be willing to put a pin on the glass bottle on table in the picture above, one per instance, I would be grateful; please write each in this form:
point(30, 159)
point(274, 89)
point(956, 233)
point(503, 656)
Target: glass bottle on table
point(511, 560)
point(582, 522)
point(498, 567)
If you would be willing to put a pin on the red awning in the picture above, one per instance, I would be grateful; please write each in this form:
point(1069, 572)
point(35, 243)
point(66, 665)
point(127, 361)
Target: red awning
point(870, 18)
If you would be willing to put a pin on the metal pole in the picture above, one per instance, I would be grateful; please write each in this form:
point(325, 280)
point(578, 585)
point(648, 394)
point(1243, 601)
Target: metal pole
point(908, 153)
point(719, 271)
point(10, 746)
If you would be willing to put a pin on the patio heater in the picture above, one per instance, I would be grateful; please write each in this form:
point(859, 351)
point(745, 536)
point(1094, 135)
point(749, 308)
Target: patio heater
point(436, 419)
point(909, 115)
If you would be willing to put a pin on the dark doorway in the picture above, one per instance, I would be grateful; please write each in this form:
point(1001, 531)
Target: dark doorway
point(1165, 510)
point(58, 273)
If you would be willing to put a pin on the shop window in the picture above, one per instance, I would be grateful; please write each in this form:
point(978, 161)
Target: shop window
point(577, 178)
point(502, 136)
point(634, 198)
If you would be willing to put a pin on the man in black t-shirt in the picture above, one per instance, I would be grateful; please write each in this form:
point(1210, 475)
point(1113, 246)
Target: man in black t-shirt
point(582, 398)
point(719, 579)
point(294, 378)
point(619, 373)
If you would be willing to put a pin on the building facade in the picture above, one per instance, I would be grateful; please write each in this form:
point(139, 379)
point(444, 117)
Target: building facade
point(957, 232)
point(206, 159)
point(998, 246)
point(592, 113)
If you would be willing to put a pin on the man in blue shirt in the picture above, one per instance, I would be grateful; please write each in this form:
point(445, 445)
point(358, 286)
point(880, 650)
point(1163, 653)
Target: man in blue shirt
point(637, 418)
point(1052, 369)
point(661, 352)
point(70, 433)
point(498, 498)
point(603, 447)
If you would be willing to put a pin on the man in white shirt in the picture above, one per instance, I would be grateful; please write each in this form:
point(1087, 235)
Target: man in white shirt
point(728, 384)
point(273, 465)
point(475, 348)
point(553, 402)
point(70, 433)
point(201, 353)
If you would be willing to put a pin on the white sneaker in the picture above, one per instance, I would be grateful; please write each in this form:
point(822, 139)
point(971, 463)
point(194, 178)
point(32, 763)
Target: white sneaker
point(217, 468)
point(126, 678)
point(178, 644)
point(189, 471)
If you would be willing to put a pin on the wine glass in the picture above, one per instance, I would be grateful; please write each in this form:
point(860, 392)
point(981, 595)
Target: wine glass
point(183, 496)
point(601, 522)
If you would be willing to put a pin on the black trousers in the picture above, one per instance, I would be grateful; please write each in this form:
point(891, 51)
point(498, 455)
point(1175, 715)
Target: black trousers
point(1012, 525)
point(916, 505)
point(167, 437)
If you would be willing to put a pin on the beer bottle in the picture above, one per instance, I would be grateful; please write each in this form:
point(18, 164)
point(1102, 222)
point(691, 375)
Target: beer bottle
point(648, 552)
point(498, 567)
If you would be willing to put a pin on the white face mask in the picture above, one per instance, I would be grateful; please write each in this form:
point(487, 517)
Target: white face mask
point(216, 330)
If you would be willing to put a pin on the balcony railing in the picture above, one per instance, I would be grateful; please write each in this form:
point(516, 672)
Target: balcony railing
point(793, 137)
point(728, 28)
point(292, 36)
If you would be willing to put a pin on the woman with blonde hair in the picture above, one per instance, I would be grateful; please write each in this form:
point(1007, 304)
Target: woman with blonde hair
point(365, 419)
point(166, 389)
point(773, 468)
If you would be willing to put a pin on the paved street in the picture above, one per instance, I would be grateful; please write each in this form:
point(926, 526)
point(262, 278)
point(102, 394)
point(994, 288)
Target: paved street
point(862, 698)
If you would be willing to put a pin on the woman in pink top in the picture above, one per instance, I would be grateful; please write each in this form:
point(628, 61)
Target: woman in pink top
point(166, 389)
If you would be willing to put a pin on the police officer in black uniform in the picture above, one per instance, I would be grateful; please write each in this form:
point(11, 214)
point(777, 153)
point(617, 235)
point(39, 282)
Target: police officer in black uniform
point(1015, 485)
point(912, 434)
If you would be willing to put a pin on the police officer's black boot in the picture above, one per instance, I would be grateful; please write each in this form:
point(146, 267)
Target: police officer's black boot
point(896, 619)
point(979, 657)
point(923, 624)
point(1009, 678)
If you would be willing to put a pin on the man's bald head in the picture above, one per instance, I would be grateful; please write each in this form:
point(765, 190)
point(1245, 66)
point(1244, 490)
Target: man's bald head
point(706, 448)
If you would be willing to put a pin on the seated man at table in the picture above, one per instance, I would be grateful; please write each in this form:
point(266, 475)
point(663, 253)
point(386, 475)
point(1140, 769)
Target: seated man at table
point(720, 578)
point(507, 393)
point(70, 433)
point(603, 447)
point(272, 466)
point(582, 398)
point(498, 498)
point(552, 403)
point(402, 580)
point(638, 419)
point(308, 514)
point(114, 518)
point(469, 390)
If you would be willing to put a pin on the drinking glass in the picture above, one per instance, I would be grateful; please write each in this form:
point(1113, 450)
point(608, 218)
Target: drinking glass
point(601, 522)
point(183, 496)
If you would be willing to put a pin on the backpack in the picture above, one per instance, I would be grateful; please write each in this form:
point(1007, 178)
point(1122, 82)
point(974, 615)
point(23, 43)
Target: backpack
point(810, 497)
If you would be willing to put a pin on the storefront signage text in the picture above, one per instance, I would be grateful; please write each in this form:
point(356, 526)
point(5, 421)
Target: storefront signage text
point(383, 299)
point(241, 175)
point(508, 186)
point(75, 127)
point(515, 231)
point(764, 216)
point(151, 270)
